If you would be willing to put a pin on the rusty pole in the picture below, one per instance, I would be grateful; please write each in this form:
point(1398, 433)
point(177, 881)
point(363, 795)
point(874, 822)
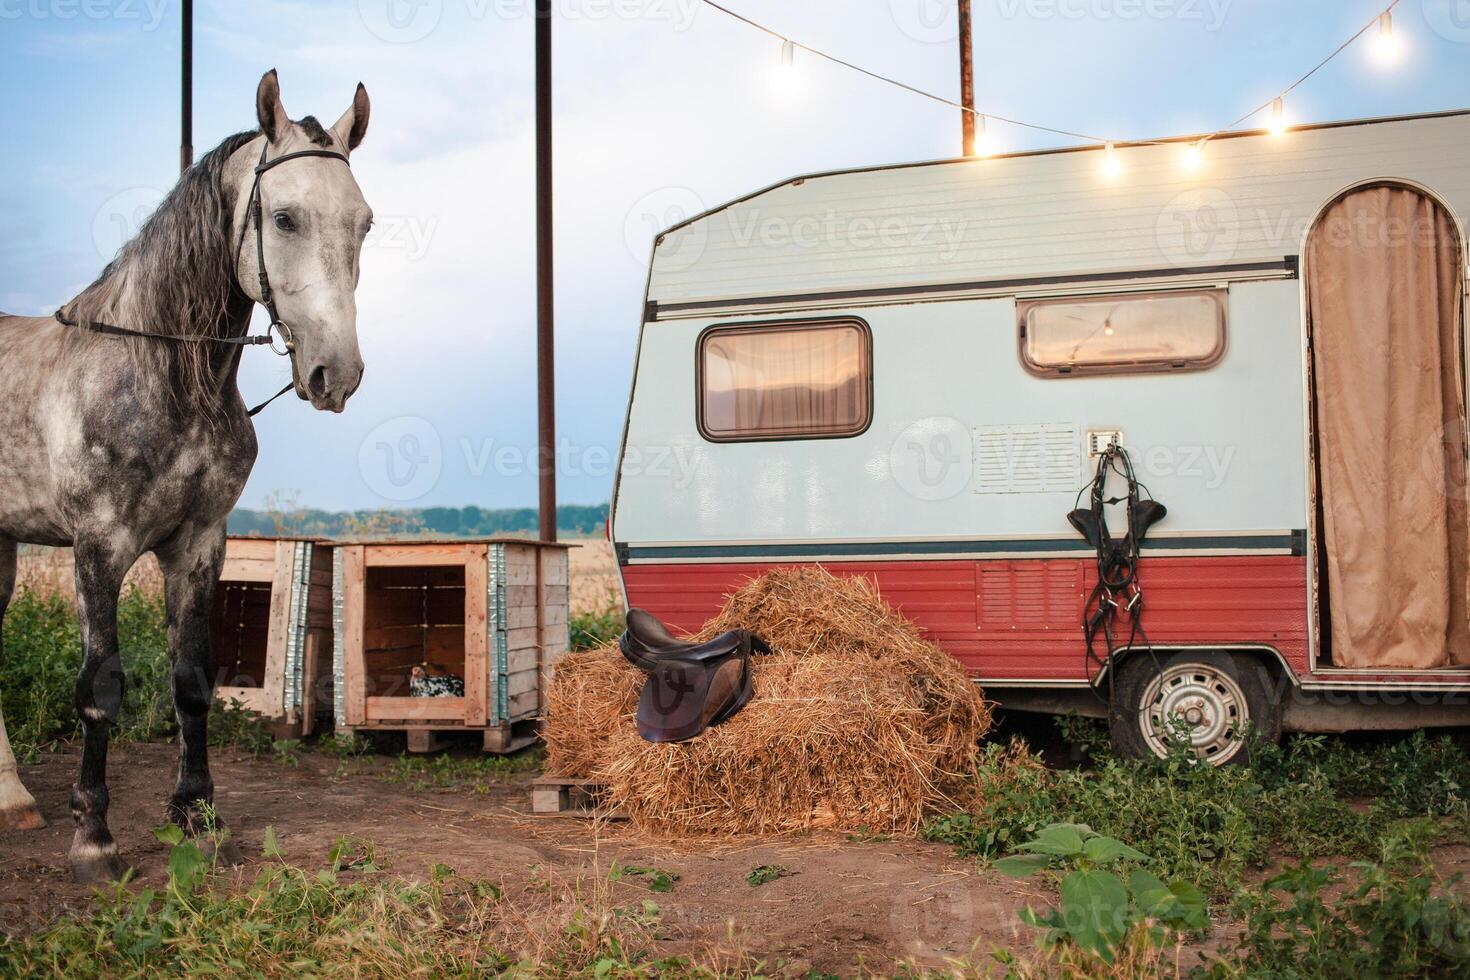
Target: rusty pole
point(545, 319)
point(967, 83)
point(186, 88)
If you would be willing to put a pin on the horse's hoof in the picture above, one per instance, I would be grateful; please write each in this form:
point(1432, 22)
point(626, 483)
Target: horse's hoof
point(22, 818)
point(93, 864)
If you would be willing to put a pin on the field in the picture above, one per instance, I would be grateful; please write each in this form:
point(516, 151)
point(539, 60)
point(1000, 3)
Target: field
point(1327, 857)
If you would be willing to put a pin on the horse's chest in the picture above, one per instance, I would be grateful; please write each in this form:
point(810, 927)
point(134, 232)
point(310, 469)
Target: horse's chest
point(156, 480)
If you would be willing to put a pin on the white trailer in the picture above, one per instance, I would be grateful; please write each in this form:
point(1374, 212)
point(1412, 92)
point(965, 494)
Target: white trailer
point(906, 373)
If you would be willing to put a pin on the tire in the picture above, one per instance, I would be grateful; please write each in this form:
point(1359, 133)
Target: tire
point(1220, 695)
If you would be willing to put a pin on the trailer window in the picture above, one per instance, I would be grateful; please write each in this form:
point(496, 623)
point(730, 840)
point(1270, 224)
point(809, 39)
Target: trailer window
point(1174, 331)
point(810, 380)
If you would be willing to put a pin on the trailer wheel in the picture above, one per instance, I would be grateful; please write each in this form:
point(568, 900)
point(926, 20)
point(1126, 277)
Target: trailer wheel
point(1214, 697)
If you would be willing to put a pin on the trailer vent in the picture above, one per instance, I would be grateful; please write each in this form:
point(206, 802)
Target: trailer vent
point(1030, 458)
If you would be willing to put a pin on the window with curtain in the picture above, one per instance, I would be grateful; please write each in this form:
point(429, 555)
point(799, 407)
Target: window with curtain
point(1123, 333)
point(785, 380)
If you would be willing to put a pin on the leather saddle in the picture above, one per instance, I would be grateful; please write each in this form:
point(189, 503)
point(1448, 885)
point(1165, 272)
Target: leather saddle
point(690, 686)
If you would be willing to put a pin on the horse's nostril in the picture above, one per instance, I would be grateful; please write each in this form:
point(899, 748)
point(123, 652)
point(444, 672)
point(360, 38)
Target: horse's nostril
point(316, 382)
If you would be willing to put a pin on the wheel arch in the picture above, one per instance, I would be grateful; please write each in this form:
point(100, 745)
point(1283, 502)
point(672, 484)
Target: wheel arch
point(1264, 653)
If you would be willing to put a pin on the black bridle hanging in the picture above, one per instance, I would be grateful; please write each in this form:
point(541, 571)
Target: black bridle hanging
point(1117, 585)
point(267, 296)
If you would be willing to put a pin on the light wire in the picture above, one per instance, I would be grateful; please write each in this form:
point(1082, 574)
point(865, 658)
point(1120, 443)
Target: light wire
point(914, 90)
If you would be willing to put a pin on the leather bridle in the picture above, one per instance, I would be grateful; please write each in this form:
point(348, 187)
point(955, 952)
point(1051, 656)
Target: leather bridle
point(277, 326)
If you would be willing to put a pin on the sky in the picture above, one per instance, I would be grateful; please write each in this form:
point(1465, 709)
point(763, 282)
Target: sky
point(662, 109)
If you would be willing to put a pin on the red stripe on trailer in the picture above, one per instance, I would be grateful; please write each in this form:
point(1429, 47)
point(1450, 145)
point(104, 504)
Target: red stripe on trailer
point(1020, 619)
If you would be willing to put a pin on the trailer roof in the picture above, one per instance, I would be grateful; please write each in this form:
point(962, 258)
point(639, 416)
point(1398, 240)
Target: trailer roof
point(1032, 220)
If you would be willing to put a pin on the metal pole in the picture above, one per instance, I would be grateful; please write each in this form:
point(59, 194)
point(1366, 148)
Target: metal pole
point(545, 319)
point(186, 143)
point(967, 82)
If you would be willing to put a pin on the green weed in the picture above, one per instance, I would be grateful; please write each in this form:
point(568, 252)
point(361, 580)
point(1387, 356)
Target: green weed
point(1393, 917)
point(43, 654)
point(766, 873)
point(1100, 909)
point(591, 630)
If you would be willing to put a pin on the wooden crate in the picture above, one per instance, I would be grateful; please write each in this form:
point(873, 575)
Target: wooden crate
point(271, 630)
point(491, 611)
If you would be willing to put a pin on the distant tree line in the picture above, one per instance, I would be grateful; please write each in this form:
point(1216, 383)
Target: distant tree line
point(458, 522)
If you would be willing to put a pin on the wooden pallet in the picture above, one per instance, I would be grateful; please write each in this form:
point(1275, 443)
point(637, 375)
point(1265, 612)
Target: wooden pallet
point(563, 796)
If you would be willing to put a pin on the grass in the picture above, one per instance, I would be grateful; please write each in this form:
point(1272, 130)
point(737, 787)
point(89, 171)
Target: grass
point(43, 654)
point(350, 917)
point(1211, 826)
point(475, 774)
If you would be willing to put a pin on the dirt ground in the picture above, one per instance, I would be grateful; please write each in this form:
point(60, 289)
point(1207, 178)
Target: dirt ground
point(847, 902)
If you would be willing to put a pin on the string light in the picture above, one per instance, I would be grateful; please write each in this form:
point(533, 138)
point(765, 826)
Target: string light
point(1387, 47)
point(1277, 123)
point(1111, 166)
point(1193, 155)
point(982, 138)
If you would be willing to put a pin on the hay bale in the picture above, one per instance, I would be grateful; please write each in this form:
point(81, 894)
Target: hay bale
point(857, 721)
point(592, 694)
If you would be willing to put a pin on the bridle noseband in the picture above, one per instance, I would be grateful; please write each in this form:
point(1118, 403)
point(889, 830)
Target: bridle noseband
point(267, 296)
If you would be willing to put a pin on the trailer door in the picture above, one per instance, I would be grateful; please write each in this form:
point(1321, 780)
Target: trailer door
point(1384, 320)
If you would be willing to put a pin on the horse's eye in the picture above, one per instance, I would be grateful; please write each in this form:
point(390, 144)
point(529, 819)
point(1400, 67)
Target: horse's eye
point(284, 222)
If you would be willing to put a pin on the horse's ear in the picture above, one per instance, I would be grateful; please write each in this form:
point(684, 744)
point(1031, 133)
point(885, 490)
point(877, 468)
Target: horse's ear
point(352, 127)
point(274, 122)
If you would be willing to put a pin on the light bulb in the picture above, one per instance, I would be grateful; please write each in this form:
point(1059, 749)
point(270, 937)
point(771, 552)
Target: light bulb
point(1194, 154)
point(1387, 47)
point(982, 139)
point(785, 80)
point(1111, 166)
point(1276, 124)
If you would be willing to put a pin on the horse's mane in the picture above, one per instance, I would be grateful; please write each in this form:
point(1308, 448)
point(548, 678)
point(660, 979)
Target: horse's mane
point(177, 276)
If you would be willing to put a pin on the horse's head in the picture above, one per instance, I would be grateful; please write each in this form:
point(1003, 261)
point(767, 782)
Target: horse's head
point(313, 223)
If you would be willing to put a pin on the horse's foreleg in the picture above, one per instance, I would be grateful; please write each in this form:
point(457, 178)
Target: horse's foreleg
point(191, 565)
point(17, 807)
point(99, 693)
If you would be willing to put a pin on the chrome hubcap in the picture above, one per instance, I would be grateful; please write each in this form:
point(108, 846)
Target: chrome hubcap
point(1197, 702)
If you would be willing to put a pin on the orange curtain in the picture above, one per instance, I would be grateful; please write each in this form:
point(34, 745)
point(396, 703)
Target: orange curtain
point(775, 382)
point(1383, 297)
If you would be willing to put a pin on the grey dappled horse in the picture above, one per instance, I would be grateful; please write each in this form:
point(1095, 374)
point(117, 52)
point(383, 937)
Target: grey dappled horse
point(120, 445)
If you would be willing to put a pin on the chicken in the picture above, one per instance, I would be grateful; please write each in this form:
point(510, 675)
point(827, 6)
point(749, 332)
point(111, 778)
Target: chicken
point(421, 685)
